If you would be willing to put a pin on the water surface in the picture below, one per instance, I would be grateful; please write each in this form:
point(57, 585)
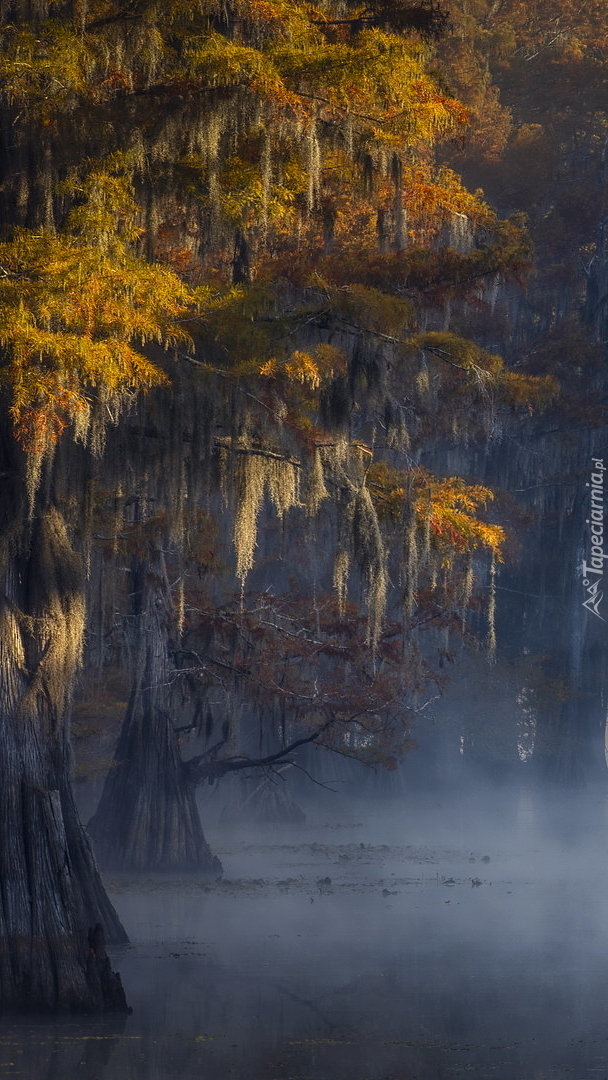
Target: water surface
point(424, 940)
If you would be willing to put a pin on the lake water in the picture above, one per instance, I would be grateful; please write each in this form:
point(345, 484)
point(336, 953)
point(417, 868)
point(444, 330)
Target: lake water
point(424, 940)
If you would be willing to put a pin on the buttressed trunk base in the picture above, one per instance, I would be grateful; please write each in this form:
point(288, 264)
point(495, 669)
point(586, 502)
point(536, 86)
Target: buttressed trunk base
point(50, 889)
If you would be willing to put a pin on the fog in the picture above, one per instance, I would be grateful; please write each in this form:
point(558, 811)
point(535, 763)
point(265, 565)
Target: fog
point(440, 933)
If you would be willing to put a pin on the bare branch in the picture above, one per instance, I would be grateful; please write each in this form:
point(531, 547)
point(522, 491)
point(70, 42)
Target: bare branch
point(199, 769)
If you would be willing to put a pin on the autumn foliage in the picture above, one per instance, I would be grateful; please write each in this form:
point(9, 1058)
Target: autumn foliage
point(272, 212)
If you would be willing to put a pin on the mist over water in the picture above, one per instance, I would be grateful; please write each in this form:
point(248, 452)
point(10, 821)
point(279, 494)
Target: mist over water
point(441, 934)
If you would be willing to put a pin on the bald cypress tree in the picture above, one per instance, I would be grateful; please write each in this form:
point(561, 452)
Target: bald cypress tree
point(248, 188)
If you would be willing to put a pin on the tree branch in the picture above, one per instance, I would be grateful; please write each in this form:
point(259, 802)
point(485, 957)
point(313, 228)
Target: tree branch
point(200, 768)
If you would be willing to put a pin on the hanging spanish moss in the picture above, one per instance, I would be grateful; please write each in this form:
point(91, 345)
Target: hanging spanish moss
point(376, 594)
point(492, 292)
point(491, 637)
point(423, 383)
point(468, 580)
point(259, 473)
point(225, 463)
point(461, 233)
point(411, 562)
point(107, 409)
point(266, 167)
point(397, 434)
point(46, 636)
point(251, 484)
point(180, 607)
point(316, 490)
point(34, 463)
point(46, 183)
point(313, 166)
point(212, 133)
point(340, 578)
point(369, 550)
point(82, 423)
point(283, 480)
point(61, 630)
point(117, 518)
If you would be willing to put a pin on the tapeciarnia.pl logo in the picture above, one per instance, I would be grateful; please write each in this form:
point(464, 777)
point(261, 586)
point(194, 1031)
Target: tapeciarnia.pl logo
point(594, 569)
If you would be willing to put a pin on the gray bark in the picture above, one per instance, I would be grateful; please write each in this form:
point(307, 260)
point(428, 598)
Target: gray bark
point(50, 890)
point(147, 818)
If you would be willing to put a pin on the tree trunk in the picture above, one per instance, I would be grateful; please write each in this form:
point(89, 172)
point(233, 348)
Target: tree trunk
point(147, 818)
point(50, 891)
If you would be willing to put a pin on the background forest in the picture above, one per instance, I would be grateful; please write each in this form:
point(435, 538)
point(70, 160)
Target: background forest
point(302, 313)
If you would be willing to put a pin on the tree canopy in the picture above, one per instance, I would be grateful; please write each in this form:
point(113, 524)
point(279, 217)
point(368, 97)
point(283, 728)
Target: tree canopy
point(254, 187)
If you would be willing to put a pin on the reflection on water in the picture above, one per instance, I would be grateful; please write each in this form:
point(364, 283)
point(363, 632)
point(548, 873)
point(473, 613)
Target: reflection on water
point(468, 943)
